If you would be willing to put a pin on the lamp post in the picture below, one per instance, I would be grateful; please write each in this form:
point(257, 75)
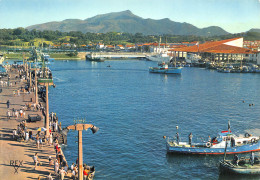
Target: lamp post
point(30, 76)
point(36, 87)
point(46, 82)
point(80, 128)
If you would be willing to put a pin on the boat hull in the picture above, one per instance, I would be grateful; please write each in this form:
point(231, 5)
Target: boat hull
point(176, 70)
point(158, 58)
point(214, 151)
point(227, 167)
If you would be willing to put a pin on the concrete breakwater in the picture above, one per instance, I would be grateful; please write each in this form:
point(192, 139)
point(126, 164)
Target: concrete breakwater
point(116, 55)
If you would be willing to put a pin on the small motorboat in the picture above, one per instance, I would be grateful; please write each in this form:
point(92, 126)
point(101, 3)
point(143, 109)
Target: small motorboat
point(241, 166)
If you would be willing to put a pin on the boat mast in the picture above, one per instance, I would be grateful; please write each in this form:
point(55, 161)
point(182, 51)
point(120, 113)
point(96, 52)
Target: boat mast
point(159, 45)
point(175, 58)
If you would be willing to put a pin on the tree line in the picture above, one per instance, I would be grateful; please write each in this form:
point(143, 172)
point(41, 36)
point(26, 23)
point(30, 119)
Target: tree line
point(21, 36)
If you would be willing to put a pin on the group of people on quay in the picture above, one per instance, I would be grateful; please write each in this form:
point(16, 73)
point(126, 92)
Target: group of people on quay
point(23, 132)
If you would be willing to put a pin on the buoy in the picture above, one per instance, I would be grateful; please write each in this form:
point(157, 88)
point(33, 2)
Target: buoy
point(164, 137)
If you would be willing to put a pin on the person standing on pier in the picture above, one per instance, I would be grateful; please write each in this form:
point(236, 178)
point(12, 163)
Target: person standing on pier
point(62, 173)
point(56, 167)
point(8, 113)
point(50, 141)
point(190, 138)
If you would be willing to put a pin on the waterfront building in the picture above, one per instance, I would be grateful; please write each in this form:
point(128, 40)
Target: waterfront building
point(130, 47)
point(226, 50)
point(119, 47)
point(110, 47)
point(255, 57)
point(100, 46)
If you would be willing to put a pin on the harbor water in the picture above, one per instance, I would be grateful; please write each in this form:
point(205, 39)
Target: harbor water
point(134, 109)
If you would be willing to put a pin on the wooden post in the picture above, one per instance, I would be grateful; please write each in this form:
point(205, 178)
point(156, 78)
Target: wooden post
point(80, 161)
point(47, 110)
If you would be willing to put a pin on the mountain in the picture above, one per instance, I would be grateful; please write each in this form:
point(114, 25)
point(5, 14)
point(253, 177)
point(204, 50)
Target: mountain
point(254, 30)
point(126, 21)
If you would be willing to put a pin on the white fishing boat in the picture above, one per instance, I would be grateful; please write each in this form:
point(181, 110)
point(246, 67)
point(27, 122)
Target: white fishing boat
point(193, 58)
point(161, 57)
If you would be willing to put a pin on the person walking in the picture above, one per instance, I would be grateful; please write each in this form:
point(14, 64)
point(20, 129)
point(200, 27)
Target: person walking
point(50, 177)
point(50, 141)
point(40, 139)
point(37, 142)
point(35, 158)
point(62, 173)
point(190, 138)
point(8, 113)
point(26, 136)
point(8, 104)
point(16, 114)
point(56, 167)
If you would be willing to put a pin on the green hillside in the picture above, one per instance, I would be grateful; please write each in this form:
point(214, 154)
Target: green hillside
point(127, 22)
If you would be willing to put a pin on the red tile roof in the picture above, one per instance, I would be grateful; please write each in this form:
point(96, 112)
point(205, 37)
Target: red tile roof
point(215, 47)
point(129, 45)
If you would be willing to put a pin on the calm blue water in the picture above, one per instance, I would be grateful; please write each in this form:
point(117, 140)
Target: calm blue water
point(135, 109)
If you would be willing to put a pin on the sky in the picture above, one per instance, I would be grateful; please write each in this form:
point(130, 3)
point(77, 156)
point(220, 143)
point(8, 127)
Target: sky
point(234, 16)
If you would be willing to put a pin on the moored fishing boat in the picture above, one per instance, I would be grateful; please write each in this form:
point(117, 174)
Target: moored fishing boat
point(162, 57)
point(93, 57)
point(165, 69)
point(241, 166)
point(235, 145)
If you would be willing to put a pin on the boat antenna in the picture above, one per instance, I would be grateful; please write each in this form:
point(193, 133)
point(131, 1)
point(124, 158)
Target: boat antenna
point(175, 58)
point(159, 45)
point(229, 126)
point(225, 153)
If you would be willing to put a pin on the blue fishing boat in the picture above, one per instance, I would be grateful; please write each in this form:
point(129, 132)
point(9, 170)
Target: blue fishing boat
point(234, 145)
point(164, 68)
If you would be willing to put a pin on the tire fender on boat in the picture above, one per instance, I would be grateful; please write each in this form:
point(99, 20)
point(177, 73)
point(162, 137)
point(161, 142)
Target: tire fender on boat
point(253, 140)
point(246, 135)
point(208, 144)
